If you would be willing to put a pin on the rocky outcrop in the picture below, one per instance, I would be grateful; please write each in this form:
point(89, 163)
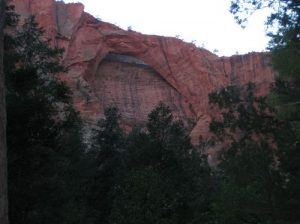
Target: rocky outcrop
point(107, 65)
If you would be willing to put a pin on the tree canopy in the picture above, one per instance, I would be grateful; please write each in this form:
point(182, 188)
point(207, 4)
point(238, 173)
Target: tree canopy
point(45, 149)
point(153, 174)
point(284, 98)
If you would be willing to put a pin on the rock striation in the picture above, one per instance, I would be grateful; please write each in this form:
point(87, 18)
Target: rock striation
point(108, 65)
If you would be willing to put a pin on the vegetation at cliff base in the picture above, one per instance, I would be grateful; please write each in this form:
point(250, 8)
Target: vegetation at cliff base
point(284, 98)
point(251, 183)
point(152, 174)
point(46, 157)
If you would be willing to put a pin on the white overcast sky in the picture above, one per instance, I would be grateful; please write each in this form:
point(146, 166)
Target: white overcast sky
point(207, 22)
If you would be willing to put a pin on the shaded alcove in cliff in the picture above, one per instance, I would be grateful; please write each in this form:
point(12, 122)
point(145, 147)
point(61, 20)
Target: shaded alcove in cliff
point(135, 88)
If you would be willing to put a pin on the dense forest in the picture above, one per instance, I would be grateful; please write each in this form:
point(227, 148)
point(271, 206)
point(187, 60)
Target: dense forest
point(152, 174)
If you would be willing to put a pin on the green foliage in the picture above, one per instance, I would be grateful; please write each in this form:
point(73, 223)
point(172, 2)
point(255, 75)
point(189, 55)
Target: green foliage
point(225, 97)
point(249, 179)
point(109, 135)
point(284, 14)
point(37, 54)
point(46, 158)
point(167, 181)
point(107, 150)
point(143, 196)
point(285, 54)
point(145, 177)
point(243, 113)
point(153, 175)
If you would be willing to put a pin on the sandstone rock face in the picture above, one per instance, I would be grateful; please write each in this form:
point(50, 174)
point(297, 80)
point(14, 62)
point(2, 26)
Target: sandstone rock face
point(107, 65)
point(135, 88)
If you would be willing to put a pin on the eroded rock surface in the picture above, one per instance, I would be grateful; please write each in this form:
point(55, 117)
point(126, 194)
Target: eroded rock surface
point(107, 65)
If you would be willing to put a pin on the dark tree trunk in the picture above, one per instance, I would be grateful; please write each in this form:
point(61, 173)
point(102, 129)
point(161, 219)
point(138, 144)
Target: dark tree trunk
point(3, 148)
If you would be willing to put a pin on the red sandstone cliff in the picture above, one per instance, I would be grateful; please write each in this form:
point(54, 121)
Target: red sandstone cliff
point(107, 65)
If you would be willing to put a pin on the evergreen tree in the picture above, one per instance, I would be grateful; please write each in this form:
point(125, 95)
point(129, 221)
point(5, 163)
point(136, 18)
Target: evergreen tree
point(247, 171)
point(143, 196)
point(107, 151)
point(285, 54)
point(46, 156)
point(166, 180)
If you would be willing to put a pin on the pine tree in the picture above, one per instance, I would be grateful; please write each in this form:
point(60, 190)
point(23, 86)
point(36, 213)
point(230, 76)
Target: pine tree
point(46, 157)
point(144, 196)
point(166, 180)
point(107, 150)
point(249, 179)
point(284, 46)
